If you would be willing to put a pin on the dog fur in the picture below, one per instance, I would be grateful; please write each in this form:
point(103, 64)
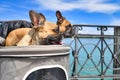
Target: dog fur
point(41, 31)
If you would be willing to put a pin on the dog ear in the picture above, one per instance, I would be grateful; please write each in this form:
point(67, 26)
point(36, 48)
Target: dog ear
point(59, 15)
point(42, 19)
point(34, 17)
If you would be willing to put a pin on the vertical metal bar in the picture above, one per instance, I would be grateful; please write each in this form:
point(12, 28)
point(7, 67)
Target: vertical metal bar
point(102, 52)
point(76, 55)
point(117, 42)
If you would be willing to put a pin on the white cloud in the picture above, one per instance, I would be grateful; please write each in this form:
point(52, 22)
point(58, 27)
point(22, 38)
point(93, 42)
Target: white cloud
point(4, 7)
point(89, 30)
point(115, 22)
point(93, 30)
point(102, 6)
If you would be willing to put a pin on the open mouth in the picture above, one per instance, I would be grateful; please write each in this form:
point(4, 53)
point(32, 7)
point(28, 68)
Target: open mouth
point(54, 40)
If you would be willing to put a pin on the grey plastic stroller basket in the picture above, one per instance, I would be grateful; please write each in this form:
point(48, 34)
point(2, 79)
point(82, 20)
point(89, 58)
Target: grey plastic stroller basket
point(48, 62)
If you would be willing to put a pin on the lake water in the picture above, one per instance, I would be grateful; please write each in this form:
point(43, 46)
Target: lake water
point(90, 48)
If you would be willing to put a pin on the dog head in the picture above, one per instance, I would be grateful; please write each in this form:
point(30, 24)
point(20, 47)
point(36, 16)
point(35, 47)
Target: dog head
point(45, 32)
point(65, 27)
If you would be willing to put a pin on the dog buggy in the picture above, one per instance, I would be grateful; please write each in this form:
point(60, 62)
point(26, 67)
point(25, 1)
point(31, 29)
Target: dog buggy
point(34, 62)
point(7, 26)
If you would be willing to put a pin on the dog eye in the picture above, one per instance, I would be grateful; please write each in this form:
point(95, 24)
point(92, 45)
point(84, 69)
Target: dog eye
point(60, 21)
point(56, 30)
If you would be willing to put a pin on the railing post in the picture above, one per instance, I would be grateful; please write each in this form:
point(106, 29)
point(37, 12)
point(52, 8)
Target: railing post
point(75, 73)
point(117, 42)
point(102, 52)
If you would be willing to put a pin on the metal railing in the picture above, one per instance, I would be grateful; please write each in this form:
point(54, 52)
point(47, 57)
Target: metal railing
point(95, 52)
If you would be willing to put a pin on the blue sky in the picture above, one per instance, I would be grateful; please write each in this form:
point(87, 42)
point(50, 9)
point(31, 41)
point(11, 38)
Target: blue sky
point(76, 11)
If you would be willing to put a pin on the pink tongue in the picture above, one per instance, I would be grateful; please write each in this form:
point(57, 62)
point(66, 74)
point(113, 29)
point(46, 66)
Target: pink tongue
point(59, 42)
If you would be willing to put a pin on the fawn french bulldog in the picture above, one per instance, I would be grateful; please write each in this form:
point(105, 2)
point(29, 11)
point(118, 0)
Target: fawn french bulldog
point(42, 33)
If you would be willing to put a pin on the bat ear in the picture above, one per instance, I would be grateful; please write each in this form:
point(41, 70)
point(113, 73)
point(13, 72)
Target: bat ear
point(42, 18)
point(34, 17)
point(59, 15)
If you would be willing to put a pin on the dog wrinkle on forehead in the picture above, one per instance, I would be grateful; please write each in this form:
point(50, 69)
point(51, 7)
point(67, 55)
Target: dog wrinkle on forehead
point(42, 34)
point(65, 22)
point(62, 29)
